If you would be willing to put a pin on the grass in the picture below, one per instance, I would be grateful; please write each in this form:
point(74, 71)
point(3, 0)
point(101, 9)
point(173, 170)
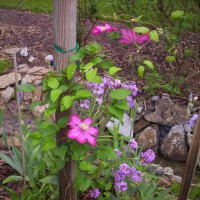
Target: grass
point(5, 65)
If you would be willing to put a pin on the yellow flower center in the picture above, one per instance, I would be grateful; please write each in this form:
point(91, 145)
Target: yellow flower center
point(84, 127)
point(103, 28)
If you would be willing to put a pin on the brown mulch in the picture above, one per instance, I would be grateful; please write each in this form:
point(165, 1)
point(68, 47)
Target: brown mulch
point(25, 29)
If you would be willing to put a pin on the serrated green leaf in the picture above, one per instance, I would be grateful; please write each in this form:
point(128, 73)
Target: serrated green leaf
point(68, 101)
point(71, 70)
point(116, 112)
point(90, 75)
point(26, 88)
point(141, 29)
point(50, 144)
point(52, 83)
point(141, 71)
point(82, 183)
point(149, 64)
point(88, 66)
point(105, 153)
point(78, 151)
point(122, 105)
point(154, 35)
point(52, 179)
point(83, 94)
point(96, 60)
point(170, 58)
point(55, 94)
point(120, 93)
point(60, 151)
point(35, 135)
point(86, 166)
point(74, 57)
point(177, 14)
point(106, 64)
point(113, 70)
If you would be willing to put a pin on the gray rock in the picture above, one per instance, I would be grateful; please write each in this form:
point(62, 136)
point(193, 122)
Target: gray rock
point(124, 129)
point(168, 113)
point(165, 96)
point(38, 70)
point(12, 50)
point(148, 138)
point(23, 70)
point(8, 79)
point(141, 124)
point(38, 110)
point(168, 171)
point(139, 110)
point(7, 94)
point(24, 52)
point(27, 79)
point(177, 179)
point(174, 146)
point(155, 98)
point(22, 66)
point(188, 128)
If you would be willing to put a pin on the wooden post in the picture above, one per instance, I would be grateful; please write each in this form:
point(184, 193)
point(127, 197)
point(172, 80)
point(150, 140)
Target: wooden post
point(191, 163)
point(64, 27)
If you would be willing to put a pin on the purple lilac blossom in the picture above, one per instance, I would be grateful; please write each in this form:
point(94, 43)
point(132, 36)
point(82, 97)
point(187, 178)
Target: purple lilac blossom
point(133, 144)
point(193, 120)
point(148, 156)
point(85, 104)
point(94, 193)
point(121, 186)
point(118, 152)
point(135, 175)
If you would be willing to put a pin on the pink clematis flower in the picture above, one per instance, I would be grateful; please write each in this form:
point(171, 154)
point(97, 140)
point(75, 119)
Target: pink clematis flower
point(129, 36)
point(82, 131)
point(100, 29)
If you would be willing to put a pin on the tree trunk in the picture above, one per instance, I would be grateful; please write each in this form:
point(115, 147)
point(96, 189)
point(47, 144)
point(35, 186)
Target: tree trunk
point(64, 27)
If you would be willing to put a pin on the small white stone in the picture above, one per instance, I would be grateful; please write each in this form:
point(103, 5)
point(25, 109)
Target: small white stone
point(12, 50)
point(31, 59)
point(7, 94)
point(24, 52)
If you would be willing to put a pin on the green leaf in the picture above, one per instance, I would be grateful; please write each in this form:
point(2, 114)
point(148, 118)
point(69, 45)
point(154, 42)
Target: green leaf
point(55, 94)
point(26, 88)
point(52, 83)
point(60, 151)
point(82, 183)
point(83, 94)
point(113, 70)
point(141, 71)
point(149, 64)
point(94, 48)
point(177, 14)
point(86, 166)
point(120, 93)
point(88, 66)
point(170, 58)
point(74, 57)
point(78, 151)
point(50, 144)
point(52, 179)
point(68, 101)
point(122, 105)
point(106, 64)
point(70, 70)
point(116, 112)
point(96, 60)
point(141, 29)
point(34, 104)
point(35, 135)
point(62, 122)
point(12, 178)
point(90, 75)
point(154, 35)
point(105, 153)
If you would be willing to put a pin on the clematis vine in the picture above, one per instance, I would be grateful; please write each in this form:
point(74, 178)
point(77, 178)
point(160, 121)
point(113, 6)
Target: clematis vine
point(82, 131)
point(129, 36)
point(100, 29)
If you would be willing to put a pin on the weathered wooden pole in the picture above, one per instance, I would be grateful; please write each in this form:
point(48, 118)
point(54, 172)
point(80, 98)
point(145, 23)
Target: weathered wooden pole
point(64, 27)
point(191, 163)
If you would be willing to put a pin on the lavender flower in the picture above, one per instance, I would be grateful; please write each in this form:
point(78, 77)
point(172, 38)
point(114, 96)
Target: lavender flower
point(133, 144)
point(94, 193)
point(85, 104)
point(193, 120)
point(121, 186)
point(148, 156)
point(135, 175)
point(118, 152)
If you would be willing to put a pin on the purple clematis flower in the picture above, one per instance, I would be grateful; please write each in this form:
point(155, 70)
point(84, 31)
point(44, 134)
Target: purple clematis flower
point(100, 29)
point(129, 36)
point(82, 131)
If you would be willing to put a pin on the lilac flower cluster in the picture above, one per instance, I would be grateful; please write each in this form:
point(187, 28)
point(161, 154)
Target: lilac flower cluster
point(193, 119)
point(118, 152)
point(126, 172)
point(131, 86)
point(85, 104)
point(133, 144)
point(94, 193)
point(148, 156)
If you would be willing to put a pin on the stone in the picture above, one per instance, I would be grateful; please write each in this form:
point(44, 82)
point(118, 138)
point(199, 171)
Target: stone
point(188, 128)
point(31, 59)
point(155, 98)
point(148, 138)
point(8, 79)
point(24, 52)
point(177, 179)
point(139, 110)
point(7, 94)
point(169, 172)
point(168, 113)
point(174, 146)
point(38, 93)
point(23, 70)
point(141, 124)
point(124, 129)
point(38, 110)
point(27, 79)
point(37, 80)
point(38, 70)
point(22, 66)
point(28, 96)
point(165, 96)
point(12, 50)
